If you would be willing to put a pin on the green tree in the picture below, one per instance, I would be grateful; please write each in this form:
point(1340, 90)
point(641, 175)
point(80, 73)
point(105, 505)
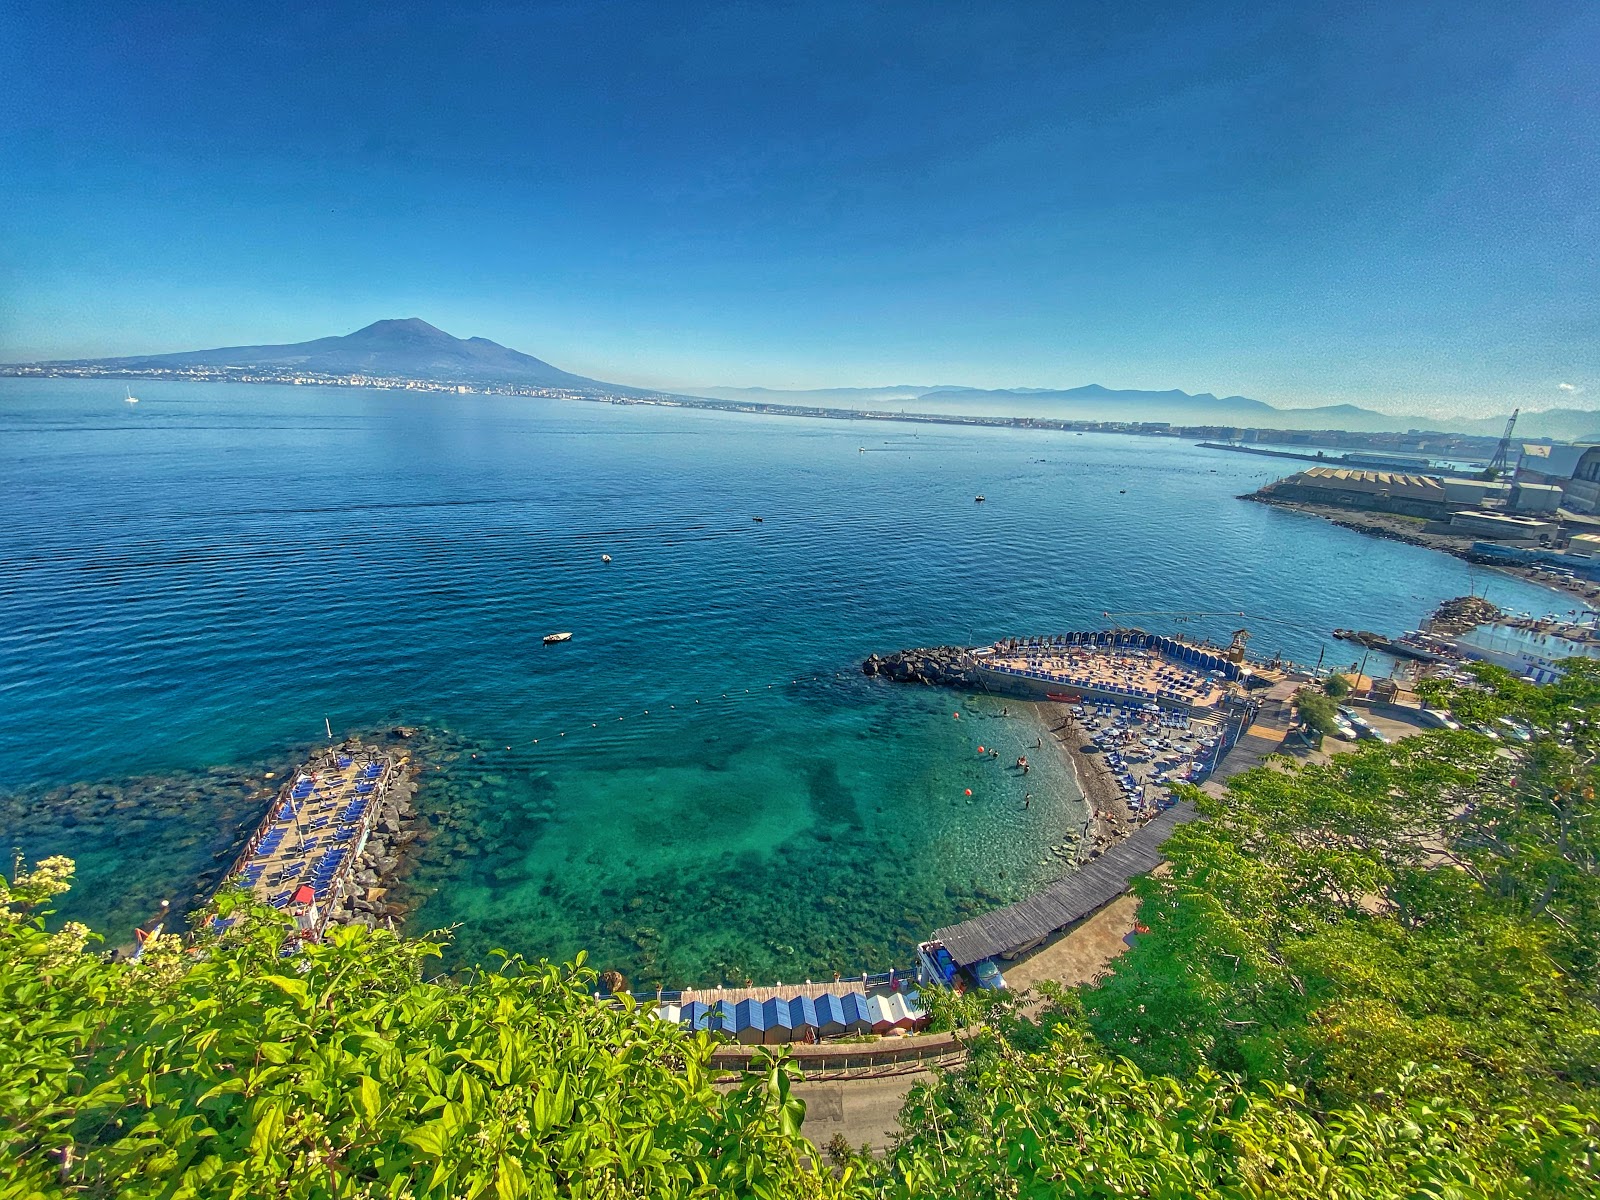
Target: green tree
point(1317, 712)
point(1336, 686)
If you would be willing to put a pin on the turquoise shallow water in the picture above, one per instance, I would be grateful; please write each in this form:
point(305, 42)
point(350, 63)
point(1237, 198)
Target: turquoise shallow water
point(199, 579)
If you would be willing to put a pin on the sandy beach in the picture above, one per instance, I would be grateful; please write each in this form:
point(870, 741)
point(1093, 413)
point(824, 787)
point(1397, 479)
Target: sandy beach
point(1110, 817)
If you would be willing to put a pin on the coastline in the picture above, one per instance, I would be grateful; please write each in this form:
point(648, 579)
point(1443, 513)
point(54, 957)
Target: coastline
point(1109, 819)
point(1399, 529)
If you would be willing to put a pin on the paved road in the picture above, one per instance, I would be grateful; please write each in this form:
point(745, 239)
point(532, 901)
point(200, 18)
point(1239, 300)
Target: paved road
point(863, 1110)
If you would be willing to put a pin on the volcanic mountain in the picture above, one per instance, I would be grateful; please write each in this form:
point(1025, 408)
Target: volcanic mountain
point(408, 349)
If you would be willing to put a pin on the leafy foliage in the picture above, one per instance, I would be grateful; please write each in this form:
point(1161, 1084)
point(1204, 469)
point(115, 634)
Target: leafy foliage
point(233, 1071)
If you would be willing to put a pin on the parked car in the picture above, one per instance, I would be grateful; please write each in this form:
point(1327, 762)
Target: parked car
point(1440, 719)
point(987, 974)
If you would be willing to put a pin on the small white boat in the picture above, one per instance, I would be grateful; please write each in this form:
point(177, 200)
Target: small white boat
point(130, 398)
point(550, 639)
point(978, 499)
point(605, 558)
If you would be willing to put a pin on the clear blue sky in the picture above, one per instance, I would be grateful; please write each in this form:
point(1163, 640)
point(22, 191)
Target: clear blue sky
point(1393, 204)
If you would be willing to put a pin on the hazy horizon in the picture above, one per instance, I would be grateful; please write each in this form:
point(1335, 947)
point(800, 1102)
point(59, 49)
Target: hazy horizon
point(1381, 207)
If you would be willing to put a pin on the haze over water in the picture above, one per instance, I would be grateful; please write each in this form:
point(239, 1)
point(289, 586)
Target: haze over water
point(200, 578)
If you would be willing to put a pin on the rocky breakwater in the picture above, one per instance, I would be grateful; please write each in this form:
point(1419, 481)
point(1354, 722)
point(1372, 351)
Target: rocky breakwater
point(937, 666)
point(367, 898)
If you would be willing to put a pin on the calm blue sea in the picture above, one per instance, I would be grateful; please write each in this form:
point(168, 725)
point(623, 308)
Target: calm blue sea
point(199, 579)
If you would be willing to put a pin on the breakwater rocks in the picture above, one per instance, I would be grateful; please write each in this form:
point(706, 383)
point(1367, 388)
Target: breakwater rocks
point(1464, 613)
point(939, 666)
point(369, 898)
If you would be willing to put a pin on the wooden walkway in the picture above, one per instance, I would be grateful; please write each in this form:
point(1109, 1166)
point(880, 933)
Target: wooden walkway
point(1088, 889)
point(1264, 736)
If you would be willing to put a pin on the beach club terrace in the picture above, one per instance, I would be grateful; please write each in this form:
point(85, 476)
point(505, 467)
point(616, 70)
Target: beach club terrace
point(1116, 665)
point(306, 847)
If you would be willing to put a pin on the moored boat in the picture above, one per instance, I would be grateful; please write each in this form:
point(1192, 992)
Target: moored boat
point(550, 639)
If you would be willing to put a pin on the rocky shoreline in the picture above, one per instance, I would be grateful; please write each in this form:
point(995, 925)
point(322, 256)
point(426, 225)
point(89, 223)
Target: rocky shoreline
point(1399, 529)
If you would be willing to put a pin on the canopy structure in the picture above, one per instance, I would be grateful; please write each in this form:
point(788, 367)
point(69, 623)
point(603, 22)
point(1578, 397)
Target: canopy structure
point(775, 1021)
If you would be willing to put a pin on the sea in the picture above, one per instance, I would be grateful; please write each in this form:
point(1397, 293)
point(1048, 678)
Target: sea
point(701, 786)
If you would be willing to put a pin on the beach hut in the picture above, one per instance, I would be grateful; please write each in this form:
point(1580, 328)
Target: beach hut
point(776, 1021)
point(803, 1017)
point(883, 1013)
point(830, 1015)
point(693, 1015)
point(914, 1010)
point(749, 1022)
point(857, 1016)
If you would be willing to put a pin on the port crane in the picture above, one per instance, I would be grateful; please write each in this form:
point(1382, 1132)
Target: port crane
point(1502, 452)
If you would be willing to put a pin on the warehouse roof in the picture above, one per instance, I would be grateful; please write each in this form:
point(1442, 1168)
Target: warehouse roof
point(1390, 483)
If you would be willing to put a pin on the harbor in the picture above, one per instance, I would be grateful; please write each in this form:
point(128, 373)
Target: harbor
point(1469, 629)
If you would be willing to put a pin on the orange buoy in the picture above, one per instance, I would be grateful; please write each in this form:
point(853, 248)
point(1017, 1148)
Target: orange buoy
point(957, 716)
point(969, 791)
point(981, 750)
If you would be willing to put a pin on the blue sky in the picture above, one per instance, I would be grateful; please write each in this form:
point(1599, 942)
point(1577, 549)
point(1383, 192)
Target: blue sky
point(1394, 204)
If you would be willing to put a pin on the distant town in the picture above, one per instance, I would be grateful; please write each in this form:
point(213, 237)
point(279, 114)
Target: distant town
point(1420, 445)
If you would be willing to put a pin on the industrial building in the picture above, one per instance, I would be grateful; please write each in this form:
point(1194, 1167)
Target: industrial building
point(1375, 491)
point(1575, 469)
point(1504, 526)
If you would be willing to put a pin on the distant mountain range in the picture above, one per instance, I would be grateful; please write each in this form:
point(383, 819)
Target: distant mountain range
point(1096, 403)
point(413, 349)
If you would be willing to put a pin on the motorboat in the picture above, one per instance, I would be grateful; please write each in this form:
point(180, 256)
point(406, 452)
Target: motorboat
point(550, 639)
point(605, 558)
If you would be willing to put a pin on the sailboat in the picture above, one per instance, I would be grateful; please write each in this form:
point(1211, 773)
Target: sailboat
point(130, 397)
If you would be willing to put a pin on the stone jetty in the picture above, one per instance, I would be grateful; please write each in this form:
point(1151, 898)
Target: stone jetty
point(937, 666)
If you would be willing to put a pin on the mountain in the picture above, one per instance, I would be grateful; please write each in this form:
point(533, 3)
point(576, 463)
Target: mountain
point(413, 349)
point(843, 397)
point(1095, 402)
point(409, 348)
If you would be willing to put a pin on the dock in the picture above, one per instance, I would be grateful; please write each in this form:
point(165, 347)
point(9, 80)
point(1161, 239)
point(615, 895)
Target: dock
point(304, 856)
point(1068, 900)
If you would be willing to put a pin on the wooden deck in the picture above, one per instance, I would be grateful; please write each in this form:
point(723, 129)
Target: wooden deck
point(1066, 900)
